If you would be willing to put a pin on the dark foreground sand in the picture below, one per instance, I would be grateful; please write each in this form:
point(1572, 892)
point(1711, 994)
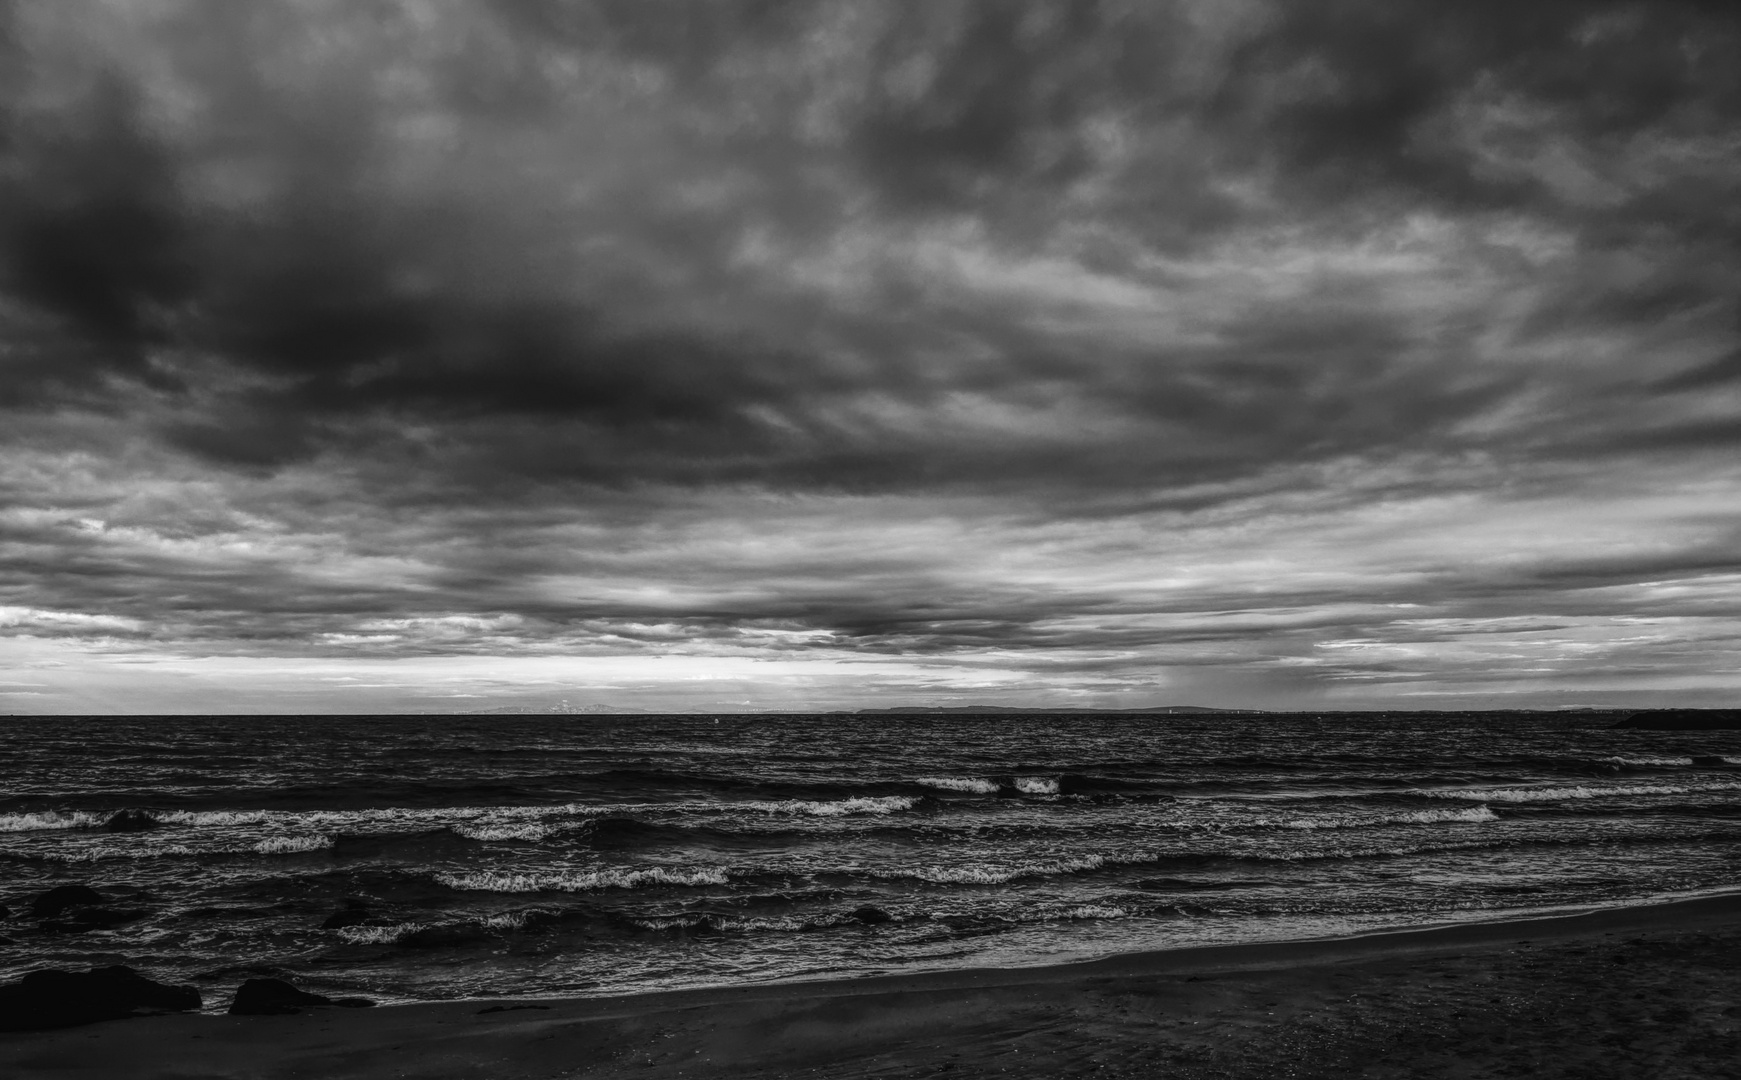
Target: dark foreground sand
point(1640, 992)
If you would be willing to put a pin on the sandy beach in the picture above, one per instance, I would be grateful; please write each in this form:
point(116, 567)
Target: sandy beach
point(1648, 991)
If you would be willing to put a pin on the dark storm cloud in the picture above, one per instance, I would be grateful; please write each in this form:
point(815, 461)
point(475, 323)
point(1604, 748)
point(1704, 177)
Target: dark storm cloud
point(391, 225)
point(1102, 333)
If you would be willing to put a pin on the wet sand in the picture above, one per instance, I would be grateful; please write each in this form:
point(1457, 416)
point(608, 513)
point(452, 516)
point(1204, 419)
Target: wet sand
point(1649, 991)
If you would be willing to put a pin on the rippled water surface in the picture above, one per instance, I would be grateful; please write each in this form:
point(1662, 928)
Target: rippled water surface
point(540, 854)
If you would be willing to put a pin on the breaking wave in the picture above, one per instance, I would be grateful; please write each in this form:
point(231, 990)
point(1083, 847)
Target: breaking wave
point(495, 881)
point(1093, 911)
point(1415, 817)
point(292, 845)
point(878, 804)
point(971, 784)
point(516, 831)
point(993, 874)
point(118, 851)
point(379, 935)
point(709, 922)
point(202, 818)
point(50, 819)
point(1580, 791)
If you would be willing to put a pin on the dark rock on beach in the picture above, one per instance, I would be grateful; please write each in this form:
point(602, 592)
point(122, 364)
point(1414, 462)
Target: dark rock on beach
point(131, 821)
point(272, 997)
point(57, 900)
point(54, 999)
point(1684, 720)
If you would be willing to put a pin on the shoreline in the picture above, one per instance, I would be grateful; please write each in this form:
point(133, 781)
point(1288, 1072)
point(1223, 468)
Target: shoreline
point(1200, 998)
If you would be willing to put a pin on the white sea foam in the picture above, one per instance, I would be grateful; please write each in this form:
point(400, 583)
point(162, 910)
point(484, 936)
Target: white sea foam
point(494, 881)
point(993, 874)
point(738, 924)
point(118, 851)
point(50, 819)
point(670, 922)
point(378, 935)
point(1578, 791)
point(974, 784)
point(1425, 817)
point(1646, 761)
point(1036, 785)
point(292, 845)
point(880, 804)
point(473, 822)
point(525, 830)
point(1413, 817)
point(210, 818)
point(1093, 911)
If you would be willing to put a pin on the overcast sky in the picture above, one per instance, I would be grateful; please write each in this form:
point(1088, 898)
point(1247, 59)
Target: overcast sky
point(401, 356)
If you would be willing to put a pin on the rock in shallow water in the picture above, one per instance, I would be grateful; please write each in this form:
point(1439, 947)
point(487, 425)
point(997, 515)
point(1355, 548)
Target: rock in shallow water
point(275, 997)
point(52, 999)
point(272, 997)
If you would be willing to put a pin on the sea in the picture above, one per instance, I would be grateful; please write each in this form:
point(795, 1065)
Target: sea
point(437, 857)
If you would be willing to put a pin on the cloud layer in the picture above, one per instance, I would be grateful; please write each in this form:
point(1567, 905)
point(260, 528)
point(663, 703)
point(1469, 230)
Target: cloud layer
point(421, 354)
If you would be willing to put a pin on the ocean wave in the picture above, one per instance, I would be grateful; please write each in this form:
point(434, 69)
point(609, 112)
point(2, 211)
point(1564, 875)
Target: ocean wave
point(710, 922)
point(1580, 791)
point(1414, 817)
point(497, 881)
point(474, 821)
point(1036, 785)
point(526, 830)
point(1092, 911)
point(292, 845)
point(104, 852)
point(379, 935)
point(971, 784)
point(1645, 762)
point(50, 819)
point(878, 804)
point(993, 874)
point(218, 818)
point(471, 822)
point(419, 933)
